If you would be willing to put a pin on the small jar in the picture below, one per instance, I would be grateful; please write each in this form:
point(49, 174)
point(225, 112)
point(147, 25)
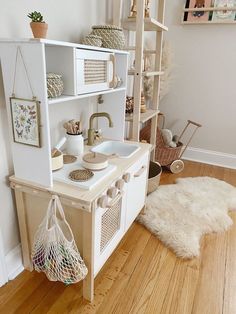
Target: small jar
point(75, 144)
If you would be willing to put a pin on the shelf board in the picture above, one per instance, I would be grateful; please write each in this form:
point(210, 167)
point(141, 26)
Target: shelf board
point(208, 22)
point(147, 73)
point(145, 51)
point(65, 98)
point(150, 24)
point(144, 117)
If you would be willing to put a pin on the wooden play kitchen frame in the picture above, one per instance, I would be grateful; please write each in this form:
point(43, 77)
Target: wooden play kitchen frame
point(89, 212)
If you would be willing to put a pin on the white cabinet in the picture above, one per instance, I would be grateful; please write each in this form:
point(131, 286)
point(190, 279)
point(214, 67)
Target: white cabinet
point(112, 222)
point(136, 189)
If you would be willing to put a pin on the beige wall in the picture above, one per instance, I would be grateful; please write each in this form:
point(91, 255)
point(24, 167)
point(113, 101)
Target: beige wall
point(69, 21)
point(203, 82)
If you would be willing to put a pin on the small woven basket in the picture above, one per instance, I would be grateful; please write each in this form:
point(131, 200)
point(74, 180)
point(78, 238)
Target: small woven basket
point(92, 40)
point(55, 85)
point(112, 36)
point(154, 176)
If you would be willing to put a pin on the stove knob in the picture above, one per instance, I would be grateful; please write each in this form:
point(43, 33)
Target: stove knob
point(103, 201)
point(112, 192)
point(126, 177)
point(120, 184)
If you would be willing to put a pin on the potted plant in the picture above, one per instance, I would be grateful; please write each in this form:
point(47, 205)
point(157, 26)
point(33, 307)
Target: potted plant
point(38, 26)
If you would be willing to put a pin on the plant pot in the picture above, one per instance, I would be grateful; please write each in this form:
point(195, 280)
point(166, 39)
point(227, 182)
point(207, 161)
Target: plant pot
point(39, 29)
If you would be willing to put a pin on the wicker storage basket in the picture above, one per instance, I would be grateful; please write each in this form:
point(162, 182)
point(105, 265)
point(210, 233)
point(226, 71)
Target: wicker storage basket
point(154, 176)
point(112, 36)
point(54, 85)
point(92, 40)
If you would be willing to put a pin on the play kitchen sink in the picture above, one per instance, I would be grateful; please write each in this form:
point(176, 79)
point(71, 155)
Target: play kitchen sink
point(116, 148)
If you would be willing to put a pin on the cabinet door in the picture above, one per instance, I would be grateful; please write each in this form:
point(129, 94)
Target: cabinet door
point(136, 190)
point(109, 229)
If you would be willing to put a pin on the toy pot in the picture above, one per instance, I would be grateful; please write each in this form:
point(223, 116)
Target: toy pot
point(74, 144)
point(39, 29)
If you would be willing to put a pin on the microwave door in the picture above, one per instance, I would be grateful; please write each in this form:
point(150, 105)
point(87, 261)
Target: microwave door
point(95, 71)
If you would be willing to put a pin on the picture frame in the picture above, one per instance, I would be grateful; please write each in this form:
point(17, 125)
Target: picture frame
point(226, 15)
point(197, 16)
point(25, 115)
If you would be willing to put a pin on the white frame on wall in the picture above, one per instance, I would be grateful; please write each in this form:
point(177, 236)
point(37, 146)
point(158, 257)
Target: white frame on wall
point(3, 266)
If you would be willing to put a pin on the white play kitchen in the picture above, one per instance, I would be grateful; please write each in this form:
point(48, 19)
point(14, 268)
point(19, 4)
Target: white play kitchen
point(103, 187)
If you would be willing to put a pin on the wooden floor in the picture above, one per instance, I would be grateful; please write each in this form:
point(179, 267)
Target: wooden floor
point(142, 276)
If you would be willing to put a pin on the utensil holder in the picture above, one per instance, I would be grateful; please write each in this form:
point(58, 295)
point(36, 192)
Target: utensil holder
point(75, 144)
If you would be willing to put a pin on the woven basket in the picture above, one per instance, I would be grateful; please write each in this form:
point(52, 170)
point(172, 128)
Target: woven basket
point(154, 176)
point(92, 40)
point(54, 85)
point(112, 36)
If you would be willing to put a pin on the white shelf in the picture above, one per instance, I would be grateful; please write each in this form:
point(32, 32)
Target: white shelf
point(65, 98)
point(150, 24)
point(208, 22)
point(50, 42)
point(144, 117)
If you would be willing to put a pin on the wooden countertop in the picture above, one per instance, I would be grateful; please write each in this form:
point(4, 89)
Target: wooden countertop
point(86, 197)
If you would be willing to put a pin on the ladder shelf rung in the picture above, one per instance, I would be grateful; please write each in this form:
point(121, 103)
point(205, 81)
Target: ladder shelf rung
point(144, 117)
point(147, 73)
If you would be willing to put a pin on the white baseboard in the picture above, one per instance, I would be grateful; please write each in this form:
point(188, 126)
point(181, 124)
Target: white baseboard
point(14, 262)
point(210, 157)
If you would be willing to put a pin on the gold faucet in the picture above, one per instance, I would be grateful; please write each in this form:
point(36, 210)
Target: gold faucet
point(91, 130)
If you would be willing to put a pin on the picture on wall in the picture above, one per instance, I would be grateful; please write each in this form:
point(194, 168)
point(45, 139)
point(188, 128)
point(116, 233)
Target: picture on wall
point(25, 121)
point(197, 16)
point(225, 14)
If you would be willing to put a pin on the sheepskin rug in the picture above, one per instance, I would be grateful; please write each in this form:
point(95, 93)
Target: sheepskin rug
point(180, 214)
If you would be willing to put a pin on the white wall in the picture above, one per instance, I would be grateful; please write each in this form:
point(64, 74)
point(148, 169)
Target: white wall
point(203, 85)
point(69, 21)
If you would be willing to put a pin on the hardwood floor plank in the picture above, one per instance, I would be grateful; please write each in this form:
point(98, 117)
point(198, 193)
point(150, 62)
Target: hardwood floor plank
point(188, 290)
point(19, 297)
point(230, 272)
point(50, 298)
point(210, 288)
point(150, 256)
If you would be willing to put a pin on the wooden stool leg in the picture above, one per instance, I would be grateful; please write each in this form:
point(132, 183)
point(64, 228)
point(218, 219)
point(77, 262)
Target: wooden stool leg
point(88, 255)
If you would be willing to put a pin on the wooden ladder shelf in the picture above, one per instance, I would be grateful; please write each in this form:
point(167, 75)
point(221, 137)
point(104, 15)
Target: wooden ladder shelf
point(140, 24)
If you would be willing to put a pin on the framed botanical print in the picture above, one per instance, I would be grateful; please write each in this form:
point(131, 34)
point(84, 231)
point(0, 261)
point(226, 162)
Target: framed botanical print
point(25, 121)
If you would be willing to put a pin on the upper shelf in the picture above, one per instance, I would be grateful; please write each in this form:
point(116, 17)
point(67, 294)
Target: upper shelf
point(150, 24)
point(65, 98)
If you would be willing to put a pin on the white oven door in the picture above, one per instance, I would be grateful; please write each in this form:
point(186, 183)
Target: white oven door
point(95, 71)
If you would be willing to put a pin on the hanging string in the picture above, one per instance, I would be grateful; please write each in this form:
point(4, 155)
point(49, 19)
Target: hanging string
point(18, 51)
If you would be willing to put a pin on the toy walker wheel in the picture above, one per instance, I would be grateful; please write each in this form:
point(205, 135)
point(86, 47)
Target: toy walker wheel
point(177, 166)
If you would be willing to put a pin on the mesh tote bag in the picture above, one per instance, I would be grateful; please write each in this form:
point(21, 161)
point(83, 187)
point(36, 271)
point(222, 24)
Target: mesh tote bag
point(55, 252)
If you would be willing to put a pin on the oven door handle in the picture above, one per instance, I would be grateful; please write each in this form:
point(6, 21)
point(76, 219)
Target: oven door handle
point(112, 83)
point(116, 199)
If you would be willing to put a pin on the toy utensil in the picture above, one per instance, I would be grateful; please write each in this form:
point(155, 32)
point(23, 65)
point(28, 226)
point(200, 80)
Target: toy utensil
point(58, 146)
